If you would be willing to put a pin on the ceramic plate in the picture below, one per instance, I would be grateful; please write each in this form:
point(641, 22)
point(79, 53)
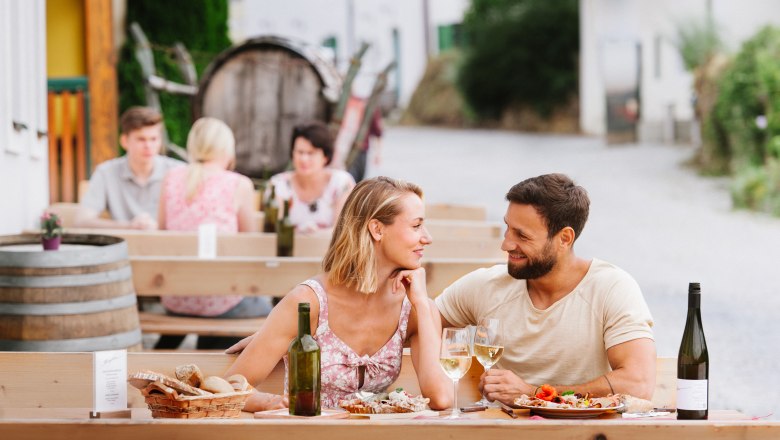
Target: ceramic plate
point(568, 413)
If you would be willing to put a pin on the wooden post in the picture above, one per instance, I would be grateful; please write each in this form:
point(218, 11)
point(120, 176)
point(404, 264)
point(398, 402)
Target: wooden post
point(81, 142)
point(101, 69)
point(66, 170)
point(54, 175)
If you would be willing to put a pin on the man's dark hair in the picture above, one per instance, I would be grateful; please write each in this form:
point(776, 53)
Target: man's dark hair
point(558, 200)
point(318, 134)
point(137, 117)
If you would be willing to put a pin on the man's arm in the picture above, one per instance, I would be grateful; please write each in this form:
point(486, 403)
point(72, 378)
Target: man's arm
point(633, 372)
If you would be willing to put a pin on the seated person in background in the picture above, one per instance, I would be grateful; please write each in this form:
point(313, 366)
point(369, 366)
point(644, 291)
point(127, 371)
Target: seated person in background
point(318, 192)
point(206, 192)
point(370, 299)
point(128, 187)
point(581, 324)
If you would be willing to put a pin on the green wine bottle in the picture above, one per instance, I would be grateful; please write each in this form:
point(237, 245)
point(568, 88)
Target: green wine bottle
point(693, 363)
point(285, 233)
point(303, 359)
point(271, 212)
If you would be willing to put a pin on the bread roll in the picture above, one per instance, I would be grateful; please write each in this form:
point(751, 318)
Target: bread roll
point(189, 374)
point(216, 385)
point(238, 382)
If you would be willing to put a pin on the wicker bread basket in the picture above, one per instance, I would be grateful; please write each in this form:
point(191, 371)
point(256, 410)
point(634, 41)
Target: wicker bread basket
point(165, 401)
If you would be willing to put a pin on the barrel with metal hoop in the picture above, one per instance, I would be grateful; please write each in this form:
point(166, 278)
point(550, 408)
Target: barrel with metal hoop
point(262, 88)
point(79, 298)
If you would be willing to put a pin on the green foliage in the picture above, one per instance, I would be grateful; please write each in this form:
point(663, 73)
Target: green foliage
point(201, 25)
point(698, 41)
point(520, 52)
point(747, 118)
point(758, 188)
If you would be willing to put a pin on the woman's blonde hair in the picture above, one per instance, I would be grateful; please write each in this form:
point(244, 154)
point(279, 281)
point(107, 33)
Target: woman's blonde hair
point(350, 259)
point(209, 139)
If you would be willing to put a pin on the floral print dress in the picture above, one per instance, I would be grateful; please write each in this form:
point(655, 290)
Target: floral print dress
point(339, 364)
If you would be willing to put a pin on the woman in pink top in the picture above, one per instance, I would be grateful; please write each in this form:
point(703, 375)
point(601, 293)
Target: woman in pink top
point(205, 192)
point(370, 299)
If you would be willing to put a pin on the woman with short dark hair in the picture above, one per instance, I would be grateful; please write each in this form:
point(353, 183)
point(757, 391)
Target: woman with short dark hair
point(317, 192)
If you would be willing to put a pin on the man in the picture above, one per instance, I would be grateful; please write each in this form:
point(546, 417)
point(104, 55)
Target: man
point(577, 324)
point(128, 187)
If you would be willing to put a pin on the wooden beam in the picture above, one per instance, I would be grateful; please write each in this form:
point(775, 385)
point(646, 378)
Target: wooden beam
point(54, 167)
point(155, 276)
point(101, 62)
point(68, 165)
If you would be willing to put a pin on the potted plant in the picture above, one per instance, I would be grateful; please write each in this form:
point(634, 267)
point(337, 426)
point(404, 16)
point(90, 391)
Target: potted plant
point(51, 231)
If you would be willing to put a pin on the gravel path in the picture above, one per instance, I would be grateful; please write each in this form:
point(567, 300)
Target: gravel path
point(651, 215)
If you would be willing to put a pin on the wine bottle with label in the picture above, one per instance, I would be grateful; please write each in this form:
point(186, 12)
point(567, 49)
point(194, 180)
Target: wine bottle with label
point(693, 363)
point(303, 358)
point(285, 233)
point(270, 212)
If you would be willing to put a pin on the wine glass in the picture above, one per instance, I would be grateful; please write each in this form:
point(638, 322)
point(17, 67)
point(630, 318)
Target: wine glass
point(455, 359)
point(488, 347)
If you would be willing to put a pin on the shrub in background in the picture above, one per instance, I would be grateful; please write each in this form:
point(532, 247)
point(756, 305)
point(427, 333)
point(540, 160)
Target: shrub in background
point(745, 122)
point(520, 52)
point(201, 25)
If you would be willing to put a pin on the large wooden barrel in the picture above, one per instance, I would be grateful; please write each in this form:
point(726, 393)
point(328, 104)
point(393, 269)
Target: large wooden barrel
point(79, 298)
point(262, 89)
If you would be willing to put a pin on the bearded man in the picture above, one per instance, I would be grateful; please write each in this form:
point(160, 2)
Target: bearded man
point(574, 323)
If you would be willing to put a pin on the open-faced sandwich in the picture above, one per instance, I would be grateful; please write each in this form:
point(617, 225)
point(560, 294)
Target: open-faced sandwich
point(398, 401)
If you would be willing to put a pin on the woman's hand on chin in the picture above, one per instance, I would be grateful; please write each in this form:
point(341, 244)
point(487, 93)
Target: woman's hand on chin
point(412, 282)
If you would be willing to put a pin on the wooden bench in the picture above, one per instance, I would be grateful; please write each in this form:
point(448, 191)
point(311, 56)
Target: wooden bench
point(185, 244)
point(64, 380)
point(159, 276)
point(156, 276)
point(184, 325)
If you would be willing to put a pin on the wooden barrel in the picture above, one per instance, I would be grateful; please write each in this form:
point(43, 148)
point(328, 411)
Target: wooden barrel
point(79, 298)
point(262, 89)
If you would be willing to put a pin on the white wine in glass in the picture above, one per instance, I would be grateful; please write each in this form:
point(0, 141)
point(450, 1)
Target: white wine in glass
point(488, 347)
point(455, 359)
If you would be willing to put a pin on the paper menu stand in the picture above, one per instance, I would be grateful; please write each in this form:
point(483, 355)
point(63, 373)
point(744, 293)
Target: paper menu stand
point(109, 385)
point(207, 241)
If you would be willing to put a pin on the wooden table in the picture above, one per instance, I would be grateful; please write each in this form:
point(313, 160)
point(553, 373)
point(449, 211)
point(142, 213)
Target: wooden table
point(73, 423)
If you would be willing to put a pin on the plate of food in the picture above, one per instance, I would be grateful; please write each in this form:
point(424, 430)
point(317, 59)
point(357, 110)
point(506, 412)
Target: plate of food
point(569, 405)
point(394, 405)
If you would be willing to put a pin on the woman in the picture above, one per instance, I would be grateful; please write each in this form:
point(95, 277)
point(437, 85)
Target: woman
point(317, 192)
point(370, 299)
point(206, 192)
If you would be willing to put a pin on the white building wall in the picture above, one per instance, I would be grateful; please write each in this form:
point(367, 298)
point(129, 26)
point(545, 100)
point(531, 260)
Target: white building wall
point(373, 21)
point(23, 148)
point(666, 87)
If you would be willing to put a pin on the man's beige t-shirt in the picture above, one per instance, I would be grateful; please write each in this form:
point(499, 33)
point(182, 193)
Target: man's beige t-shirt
point(566, 343)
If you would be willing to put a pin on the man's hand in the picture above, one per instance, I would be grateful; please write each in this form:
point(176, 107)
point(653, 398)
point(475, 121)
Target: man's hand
point(503, 385)
point(143, 221)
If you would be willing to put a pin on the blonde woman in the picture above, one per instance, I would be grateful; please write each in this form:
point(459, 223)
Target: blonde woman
point(361, 311)
point(205, 191)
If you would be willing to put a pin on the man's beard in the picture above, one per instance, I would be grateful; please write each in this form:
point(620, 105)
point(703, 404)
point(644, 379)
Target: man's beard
point(535, 268)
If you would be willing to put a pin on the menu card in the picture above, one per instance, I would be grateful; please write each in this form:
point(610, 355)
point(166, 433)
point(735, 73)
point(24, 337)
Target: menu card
point(207, 241)
point(110, 381)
